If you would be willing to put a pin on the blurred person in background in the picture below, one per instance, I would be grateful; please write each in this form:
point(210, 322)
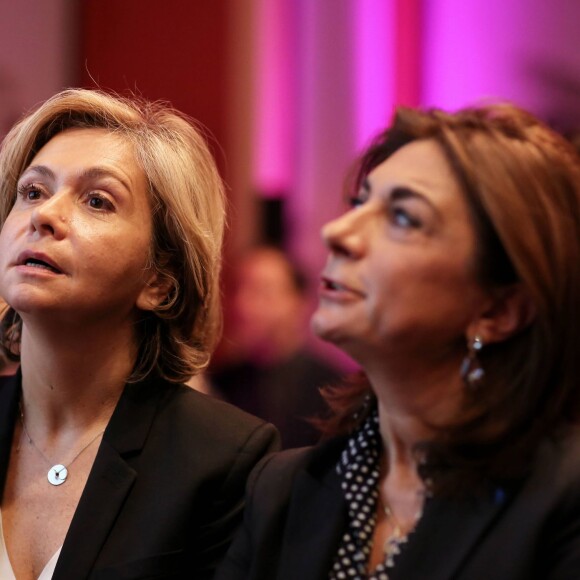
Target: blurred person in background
point(272, 372)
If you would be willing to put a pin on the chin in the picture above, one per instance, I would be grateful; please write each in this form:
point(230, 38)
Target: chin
point(324, 329)
point(29, 302)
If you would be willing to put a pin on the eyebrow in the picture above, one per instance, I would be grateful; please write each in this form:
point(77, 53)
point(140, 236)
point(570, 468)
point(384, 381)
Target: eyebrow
point(401, 192)
point(398, 192)
point(404, 192)
point(90, 173)
point(42, 169)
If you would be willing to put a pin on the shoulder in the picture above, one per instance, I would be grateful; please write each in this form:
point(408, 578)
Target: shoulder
point(205, 418)
point(558, 461)
point(278, 470)
point(549, 499)
point(182, 426)
point(273, 480)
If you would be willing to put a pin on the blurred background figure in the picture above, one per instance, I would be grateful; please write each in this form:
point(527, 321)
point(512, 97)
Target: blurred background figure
point(269, 369)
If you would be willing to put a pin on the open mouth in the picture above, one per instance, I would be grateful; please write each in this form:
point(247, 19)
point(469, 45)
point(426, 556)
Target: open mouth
point(330, 285)
point(33, 262)
point(336, 287)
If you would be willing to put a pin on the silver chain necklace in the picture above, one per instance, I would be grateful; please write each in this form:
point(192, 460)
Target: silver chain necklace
point(58, 473)
point(392, 545)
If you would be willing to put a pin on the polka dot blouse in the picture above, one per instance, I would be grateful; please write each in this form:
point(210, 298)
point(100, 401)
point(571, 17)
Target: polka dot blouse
point(358, 468)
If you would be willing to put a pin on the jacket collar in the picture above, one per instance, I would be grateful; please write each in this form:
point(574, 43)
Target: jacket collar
point(448, 532)
point(9, 397)
point(316, 516)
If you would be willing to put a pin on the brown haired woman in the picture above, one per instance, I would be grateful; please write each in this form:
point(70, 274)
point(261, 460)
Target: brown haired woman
point(112, 214)
point(454, 281)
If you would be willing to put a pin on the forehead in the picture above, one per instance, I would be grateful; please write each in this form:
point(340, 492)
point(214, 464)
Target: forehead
point(89, 145)
point(90, 154)
point(421, 165)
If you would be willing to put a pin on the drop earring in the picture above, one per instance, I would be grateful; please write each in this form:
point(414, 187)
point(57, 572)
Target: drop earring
point(472, 372)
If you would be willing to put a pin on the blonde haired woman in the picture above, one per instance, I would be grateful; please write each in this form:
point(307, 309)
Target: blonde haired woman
point(112, 213)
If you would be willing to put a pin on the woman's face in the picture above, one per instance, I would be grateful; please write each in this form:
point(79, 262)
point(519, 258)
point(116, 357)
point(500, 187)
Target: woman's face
point(76, 243)
point(400, 275)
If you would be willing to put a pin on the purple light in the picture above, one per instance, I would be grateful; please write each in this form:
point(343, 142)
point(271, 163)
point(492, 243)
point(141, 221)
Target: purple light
point(374, 67)
point(274, 103)
point(471, 51)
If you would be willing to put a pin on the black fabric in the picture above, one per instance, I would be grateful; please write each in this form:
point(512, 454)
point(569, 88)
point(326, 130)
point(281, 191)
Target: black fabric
point(296, 516)
point(165, 493)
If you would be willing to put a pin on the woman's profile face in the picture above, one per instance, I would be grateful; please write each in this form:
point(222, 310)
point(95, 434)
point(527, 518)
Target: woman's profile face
point(400, 276)
point(77, 239)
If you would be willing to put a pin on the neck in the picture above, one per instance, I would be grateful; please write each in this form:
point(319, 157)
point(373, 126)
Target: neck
point(413, 404)
point(73, 380)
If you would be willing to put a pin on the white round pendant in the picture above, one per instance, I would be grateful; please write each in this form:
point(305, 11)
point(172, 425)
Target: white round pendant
point(57, 474)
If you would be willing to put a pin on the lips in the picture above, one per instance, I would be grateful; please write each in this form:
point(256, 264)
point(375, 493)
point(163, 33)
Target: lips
point(38, 260)
point(333, 286)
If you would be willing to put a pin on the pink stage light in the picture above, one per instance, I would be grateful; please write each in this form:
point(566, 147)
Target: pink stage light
point(274, 112)
point(374, 67)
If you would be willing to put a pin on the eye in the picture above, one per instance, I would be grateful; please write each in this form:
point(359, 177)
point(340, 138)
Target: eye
point(402, 218)
point(357, 199)
point(29, 191)
point(99, 202)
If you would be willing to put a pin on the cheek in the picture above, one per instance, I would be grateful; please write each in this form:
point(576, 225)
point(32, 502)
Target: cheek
point(424, 293)
point(113, 255)
point(8, 235)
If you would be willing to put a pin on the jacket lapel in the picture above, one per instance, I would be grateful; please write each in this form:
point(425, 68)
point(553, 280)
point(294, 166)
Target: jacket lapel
point(9, 396)
point(110, 480)
point(446, 535)
point(315, 525)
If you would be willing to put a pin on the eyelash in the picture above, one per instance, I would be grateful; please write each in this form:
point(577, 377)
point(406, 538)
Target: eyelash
point(25, 189)
point(356, 199)
point(412, 222)
point(108, 206)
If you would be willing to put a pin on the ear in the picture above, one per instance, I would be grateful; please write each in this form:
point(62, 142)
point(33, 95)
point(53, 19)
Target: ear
point(508, 311)
point(155, 291)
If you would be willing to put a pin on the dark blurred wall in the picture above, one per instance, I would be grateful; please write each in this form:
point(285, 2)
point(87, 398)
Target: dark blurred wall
point(38, 54)
point(174, 50)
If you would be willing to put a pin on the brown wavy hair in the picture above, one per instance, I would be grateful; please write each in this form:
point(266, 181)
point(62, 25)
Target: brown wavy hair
point(522, 184)
point(187, 200)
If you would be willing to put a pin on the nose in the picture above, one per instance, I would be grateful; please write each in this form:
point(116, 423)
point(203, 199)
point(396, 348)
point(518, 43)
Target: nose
point(51, 216)
point(347, 234)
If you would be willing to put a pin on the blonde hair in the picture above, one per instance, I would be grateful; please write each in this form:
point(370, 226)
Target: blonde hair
point(187, 200)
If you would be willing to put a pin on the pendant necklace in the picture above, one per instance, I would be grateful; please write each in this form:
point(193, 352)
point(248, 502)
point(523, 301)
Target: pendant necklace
point(58, 473)
point(392, 545)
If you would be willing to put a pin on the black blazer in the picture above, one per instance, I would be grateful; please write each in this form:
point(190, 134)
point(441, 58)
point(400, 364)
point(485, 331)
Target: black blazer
point(295, 517)
point(165, 494)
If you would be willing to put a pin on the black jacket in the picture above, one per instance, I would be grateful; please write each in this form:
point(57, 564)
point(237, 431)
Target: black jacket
point(165, 494)
point(295, 518)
